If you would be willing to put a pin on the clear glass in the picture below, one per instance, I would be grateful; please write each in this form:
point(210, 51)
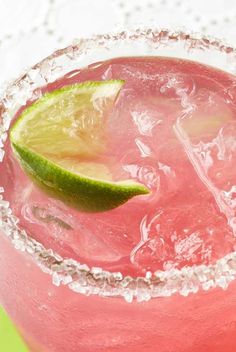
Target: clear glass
point(61, 305)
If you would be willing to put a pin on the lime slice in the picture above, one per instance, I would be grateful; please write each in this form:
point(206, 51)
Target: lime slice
point(58, 141)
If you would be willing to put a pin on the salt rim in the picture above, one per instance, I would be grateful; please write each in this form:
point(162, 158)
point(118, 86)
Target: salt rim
point(79, 277)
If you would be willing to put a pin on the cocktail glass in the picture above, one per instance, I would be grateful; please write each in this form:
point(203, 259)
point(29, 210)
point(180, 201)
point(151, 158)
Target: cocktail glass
point(61, 305)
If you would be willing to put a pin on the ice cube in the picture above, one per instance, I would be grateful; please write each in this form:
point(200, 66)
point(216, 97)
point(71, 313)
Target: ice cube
point(174, 85)
point(145, 120)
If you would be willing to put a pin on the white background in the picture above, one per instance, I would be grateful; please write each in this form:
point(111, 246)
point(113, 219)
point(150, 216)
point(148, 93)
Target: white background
point(32, 29)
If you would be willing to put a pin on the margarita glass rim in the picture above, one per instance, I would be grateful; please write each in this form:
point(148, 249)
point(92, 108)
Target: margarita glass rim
point(80, 277)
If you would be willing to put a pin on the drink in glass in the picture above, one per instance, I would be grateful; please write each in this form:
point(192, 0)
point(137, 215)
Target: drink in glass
point(158, 270)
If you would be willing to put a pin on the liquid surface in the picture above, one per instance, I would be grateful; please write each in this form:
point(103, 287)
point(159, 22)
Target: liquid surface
point(173, 128)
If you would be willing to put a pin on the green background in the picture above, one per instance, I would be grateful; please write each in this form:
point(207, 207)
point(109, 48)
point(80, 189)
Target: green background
point(10, 341)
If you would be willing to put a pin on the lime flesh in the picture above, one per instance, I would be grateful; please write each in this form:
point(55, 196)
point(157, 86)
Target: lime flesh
point(58, 139)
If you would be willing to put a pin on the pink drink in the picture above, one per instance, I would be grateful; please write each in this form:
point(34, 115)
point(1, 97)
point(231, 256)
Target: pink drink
point(173, 128)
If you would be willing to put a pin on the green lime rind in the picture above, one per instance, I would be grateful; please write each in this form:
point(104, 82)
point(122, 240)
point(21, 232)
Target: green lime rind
point(41, 141)
point(83, 193)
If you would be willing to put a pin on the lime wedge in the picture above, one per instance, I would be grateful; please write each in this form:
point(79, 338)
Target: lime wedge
point(58, 141)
